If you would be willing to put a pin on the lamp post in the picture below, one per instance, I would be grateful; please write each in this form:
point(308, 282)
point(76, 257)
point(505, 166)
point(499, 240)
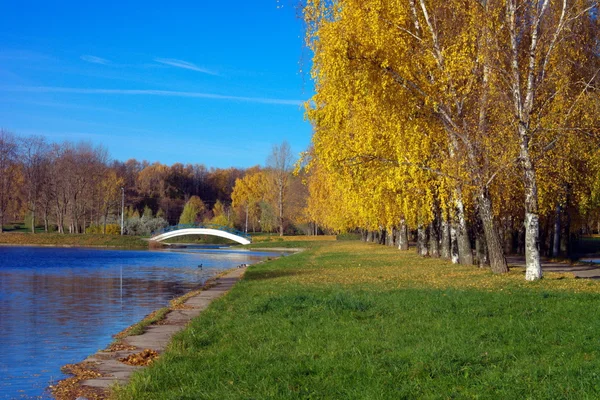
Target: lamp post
point(122, 210)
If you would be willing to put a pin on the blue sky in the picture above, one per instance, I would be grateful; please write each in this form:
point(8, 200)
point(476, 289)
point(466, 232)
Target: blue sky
point(208, 82)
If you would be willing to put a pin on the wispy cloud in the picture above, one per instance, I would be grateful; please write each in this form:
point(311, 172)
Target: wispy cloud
point(62, 105)
point(150, 92)
point(184, 64)
point(95, 60)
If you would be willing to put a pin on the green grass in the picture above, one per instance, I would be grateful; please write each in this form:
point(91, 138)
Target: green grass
point(347, 320)
point(280, 245)
point(57, 239)
point(140, 327)
point(21, 227)
point(348, 236)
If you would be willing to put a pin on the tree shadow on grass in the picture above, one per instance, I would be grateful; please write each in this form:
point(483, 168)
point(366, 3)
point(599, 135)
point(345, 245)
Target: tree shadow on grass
point(256, 275)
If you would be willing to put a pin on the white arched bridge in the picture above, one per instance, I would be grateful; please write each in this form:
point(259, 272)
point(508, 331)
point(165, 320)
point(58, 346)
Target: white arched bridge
point(205, 229)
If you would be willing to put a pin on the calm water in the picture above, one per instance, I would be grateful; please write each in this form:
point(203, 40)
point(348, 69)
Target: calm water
point(59, 305)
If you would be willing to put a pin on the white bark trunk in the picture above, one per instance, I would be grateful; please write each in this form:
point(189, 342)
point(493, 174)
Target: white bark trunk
point(403, 236)
point(454, 244)
point(533, 269)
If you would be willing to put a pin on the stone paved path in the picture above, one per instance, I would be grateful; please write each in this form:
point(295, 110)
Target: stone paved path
point(580, 269)
point(156, 337)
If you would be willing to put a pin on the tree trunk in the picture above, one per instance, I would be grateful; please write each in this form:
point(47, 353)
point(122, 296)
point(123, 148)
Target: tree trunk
point(403, 235)
point(566, 237)
point(281, 211)
point(445, 242)
point(533, 268)
point(465, 254)
point(104, 223)
point(391, 236)
point(422, 241)
point(32, 221)
point(481, 251)
point(492, 239)
point(454, 243)
point(434, 240)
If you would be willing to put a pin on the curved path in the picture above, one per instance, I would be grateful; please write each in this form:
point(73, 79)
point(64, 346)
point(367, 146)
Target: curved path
point(580, 269)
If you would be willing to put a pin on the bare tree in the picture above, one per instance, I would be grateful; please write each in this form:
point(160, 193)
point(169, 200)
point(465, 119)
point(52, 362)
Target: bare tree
point(34, 151)
point(280, 163)
point(8, 172)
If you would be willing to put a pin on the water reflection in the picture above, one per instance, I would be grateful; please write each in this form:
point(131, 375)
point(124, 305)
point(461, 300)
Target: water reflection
point(59, 305)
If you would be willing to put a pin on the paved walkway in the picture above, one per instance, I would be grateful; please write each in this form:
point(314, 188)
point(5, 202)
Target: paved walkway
point(156, 337)
point(580, 269)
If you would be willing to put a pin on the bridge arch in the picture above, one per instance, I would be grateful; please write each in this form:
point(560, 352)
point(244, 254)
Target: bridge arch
point(224, 232)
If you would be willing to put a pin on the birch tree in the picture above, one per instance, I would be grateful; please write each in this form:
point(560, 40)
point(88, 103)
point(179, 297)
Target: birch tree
point(472, 87)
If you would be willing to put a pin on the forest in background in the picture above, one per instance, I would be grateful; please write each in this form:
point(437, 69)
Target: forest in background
point(76, 188)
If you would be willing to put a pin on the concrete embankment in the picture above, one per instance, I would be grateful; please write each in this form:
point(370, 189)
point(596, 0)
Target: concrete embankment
point(111, 366)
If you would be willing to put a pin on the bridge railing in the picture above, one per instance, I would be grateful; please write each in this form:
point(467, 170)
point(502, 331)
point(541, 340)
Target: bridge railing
point(202, 226)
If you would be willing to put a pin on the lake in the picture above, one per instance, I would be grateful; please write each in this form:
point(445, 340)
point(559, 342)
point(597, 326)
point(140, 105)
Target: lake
point(59, 305)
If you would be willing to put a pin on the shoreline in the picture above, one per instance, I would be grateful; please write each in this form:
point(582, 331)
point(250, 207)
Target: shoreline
point(89, 246)
point(92, 377)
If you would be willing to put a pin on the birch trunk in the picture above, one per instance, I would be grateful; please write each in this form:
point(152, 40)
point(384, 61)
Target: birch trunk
point(523, 99)
point(454, 243)
point(533, 267)
point(445, 242)
point(403, 236)
point(465, 253)
point(422, 241)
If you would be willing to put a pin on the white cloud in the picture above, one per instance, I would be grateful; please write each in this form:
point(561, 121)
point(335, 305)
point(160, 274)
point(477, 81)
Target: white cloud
point(150, 92)
point(95, 60)
point(184, 64)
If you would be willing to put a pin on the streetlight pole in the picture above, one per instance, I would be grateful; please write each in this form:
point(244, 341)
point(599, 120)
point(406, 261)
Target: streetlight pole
point(122, 210)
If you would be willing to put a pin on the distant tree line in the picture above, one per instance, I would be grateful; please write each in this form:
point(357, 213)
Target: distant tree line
point(76, 188)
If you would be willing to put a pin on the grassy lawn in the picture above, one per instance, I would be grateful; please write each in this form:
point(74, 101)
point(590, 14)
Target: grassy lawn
point(273, 237)
point(57, 239)
point(348, 320)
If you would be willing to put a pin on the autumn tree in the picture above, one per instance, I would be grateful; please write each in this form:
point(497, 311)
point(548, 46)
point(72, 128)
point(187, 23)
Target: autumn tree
point(110, 187)
point(280, 163)
point(247, 193)
point(420, 85)
point(191, 210)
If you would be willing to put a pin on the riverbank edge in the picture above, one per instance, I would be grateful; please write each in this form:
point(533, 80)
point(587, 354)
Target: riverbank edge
point(90, 380)
point(72, 240)
point(70, 246)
